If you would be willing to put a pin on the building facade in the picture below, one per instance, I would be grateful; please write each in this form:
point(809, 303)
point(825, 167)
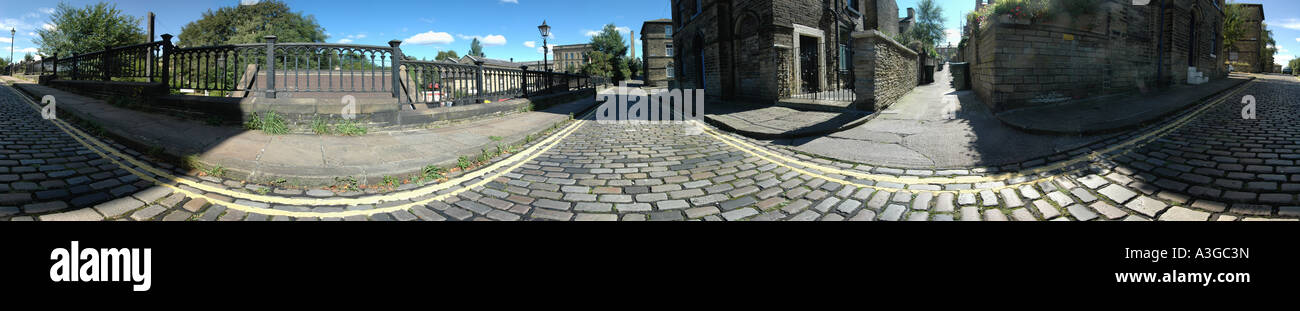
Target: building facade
point(657, 52)
point(765, 50)
point(571, 58)
point(1245, 53)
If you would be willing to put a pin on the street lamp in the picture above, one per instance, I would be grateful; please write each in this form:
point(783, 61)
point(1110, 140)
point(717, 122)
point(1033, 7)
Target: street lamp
point(12, 31)
point(546, 32)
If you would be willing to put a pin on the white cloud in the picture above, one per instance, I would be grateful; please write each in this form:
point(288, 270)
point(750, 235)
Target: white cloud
point(593, 33)
point(552, 51)
point(489, 40)
point(7, 40)
point(952, 36)
point(1290, 23)
point(48, 26)
point(531, 44)
point(345, 41)
point(47, 11)
point(494, 40)
point(430, 37)
point(249, 2)
point(27, 50)
point(510, 1)
point(1297, 39)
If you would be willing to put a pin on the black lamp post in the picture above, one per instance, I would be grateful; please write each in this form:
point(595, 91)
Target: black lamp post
point(12, 31)
point(546, 32)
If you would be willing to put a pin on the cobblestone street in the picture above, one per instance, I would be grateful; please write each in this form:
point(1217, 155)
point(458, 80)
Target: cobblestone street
point(1209, 164)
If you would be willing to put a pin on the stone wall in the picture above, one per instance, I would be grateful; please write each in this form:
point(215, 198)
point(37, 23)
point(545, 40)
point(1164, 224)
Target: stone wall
point(1113, 50)
point(884, 70)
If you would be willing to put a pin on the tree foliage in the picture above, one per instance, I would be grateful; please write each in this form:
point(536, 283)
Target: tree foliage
point(447, 55)
point(1234, 24)
point(95, 27)
point(249, 24)
point(608, 56)
point(1268, 48)
point(476, 49)
point(928, 28)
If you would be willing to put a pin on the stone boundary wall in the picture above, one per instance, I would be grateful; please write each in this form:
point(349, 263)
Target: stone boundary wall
point(883, 69)
point(1018, 65)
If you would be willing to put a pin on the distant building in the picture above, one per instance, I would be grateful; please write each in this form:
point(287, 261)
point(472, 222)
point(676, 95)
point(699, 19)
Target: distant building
point(1245, 53)
point(571, 58)
point(657, 52)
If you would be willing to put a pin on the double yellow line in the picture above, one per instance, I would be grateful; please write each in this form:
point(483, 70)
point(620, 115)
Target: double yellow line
point(1130, 144)
point(166, 179)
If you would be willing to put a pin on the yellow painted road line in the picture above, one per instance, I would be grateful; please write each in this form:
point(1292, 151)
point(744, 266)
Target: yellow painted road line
point(1132, 142)
point(519, 159)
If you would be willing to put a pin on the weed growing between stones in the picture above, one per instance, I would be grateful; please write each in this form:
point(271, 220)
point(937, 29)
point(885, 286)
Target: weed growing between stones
point(268, 122)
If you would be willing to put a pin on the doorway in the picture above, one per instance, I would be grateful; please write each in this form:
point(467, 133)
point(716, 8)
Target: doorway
point(808, 65)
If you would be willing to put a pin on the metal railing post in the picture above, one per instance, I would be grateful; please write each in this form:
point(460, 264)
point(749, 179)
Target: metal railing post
point(166, 60)
point(55, 67)
point(75, 76)
point(478, 81)
point(523, 80)
point(397, 71)
point(270, 66)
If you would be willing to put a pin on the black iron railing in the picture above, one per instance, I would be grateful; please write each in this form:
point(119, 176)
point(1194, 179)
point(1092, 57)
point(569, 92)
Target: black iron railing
point(272, 68)
point(454, 83)
point(132, 61)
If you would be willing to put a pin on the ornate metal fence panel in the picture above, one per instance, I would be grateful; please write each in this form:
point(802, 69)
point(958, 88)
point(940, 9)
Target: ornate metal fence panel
point(214, 68)
point(309, 67)
point(324, 67)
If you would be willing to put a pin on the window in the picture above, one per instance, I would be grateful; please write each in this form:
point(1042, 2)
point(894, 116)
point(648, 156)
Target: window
point(668, 30)
point(853, 6)
point(668, 51)
point(669, 71)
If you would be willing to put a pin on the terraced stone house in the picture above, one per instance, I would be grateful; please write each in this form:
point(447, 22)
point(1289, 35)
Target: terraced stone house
point(657, 52)
point(763, 51)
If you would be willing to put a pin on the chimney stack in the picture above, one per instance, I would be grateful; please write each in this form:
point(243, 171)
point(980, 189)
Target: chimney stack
point(912, 12)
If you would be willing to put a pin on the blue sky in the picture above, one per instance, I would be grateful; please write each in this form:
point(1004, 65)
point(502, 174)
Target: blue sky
point(508, 27)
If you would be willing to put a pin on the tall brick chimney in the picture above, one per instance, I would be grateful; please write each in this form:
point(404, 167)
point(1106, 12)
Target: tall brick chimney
point(912, 12)
point(631, 36)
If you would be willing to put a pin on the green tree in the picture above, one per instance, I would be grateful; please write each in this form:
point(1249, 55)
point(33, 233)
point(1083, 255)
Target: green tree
point(1234, 27)
point(249, 24)
point(476, 49)
point(1268, 48)
point(447, 55)
point(634, 66)
point(95, 27)
point(612, 50)
point(28, 57)
point(929, 25)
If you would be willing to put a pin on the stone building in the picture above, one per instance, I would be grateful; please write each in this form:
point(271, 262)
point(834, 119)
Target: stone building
point(1245, 53)
point(1116, 47)
point(765, 51)
point(657, 52)
point(571, 58)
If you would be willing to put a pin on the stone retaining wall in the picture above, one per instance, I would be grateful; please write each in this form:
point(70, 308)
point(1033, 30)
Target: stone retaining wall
point(884, 70)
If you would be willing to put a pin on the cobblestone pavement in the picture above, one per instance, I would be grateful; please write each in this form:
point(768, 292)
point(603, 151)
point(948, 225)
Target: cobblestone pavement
point(1208, 164)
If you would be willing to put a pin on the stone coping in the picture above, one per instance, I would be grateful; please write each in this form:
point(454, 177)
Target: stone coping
point(877, 34)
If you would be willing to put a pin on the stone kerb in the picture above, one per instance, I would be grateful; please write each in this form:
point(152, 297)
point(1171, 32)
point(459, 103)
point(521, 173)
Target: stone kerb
point(884, 70)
